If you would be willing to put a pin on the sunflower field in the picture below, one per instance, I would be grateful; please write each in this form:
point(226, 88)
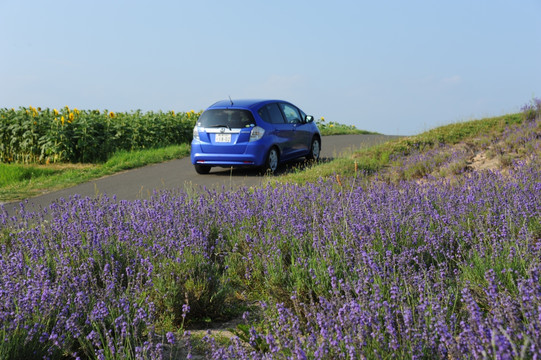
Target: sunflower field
point(35, 135)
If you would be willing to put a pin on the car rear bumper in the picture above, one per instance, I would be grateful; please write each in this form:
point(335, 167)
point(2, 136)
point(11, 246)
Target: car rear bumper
point(252, 156)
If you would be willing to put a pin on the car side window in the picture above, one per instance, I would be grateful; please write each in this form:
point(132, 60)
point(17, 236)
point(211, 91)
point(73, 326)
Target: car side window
point(264, 114)
point(291, 113)
point(275, 114)
point(271, 114)
point(303, 116)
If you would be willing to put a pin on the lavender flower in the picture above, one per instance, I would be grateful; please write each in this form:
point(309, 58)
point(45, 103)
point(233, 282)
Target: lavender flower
point(446, 267)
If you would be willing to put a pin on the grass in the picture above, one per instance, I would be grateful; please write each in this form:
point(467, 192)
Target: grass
point(24, 181)
point(19, 182)
point(19, 173)
point(334, 128)
point(372, 159)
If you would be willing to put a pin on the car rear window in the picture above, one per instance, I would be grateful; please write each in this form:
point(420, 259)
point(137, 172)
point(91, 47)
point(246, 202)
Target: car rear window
point(231, 118)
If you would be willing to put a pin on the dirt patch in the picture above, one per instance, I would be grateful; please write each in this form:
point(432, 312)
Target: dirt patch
point(194, 345)
point(480, 162)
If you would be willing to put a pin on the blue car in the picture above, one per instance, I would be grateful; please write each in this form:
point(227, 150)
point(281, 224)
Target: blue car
point(254, 133)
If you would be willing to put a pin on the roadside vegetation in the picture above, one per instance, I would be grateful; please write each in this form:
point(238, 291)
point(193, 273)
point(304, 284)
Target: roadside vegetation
point(375, 158)
point(333, 128)
point(22, 181)
point(43, 150)
point(424, 247)
point(44, 136)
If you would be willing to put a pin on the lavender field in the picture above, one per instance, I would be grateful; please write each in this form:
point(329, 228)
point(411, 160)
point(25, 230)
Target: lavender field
point(442, 264)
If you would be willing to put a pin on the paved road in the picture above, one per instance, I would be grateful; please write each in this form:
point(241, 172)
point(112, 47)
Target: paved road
point(142, 182)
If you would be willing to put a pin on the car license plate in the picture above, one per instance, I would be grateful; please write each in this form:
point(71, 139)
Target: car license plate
point(223, 138)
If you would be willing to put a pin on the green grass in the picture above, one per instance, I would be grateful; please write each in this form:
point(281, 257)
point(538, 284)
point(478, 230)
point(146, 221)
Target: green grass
point(24, 181)
point(13, 174)
point(19, 182)
point(334, 128)
point(344, 130)
point(374, 158)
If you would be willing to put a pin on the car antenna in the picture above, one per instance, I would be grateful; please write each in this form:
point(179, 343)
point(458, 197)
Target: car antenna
point(231, 101)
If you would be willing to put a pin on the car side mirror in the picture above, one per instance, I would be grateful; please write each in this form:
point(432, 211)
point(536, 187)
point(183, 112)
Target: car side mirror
point(309, 118)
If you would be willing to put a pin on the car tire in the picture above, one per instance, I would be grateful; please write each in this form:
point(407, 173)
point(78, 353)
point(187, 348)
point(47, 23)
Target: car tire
point(202, 169)
point(315, 150)
point(273, 159)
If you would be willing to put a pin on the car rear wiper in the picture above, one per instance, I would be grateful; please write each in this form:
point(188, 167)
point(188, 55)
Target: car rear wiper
point(226, 126)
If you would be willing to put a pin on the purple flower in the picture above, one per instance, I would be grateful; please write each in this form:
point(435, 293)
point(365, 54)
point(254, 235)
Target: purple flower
point(170, 338)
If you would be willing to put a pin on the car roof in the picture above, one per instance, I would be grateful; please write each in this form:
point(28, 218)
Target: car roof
point(251, 104)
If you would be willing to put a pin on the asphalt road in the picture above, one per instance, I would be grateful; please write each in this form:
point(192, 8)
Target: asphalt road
point(142, 182)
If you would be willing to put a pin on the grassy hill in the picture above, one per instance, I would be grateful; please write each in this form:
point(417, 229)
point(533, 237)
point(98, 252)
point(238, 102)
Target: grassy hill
point(449, 149)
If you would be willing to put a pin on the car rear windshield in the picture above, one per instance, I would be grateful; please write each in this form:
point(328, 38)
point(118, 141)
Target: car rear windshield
point(230, 118)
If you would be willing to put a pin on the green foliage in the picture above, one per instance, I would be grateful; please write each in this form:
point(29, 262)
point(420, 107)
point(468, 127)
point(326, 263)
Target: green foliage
point(18, 348)
point(21, 173)
point(532, 110)
point(334, 128)
point(448, 134)
point(374, 158)
point(243, 331)
point(124, 159)
point(508, 264)
point(194, 289)
point(23, 181)
point(33, 135)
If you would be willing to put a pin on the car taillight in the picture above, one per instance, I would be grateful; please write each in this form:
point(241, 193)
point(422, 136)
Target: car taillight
point(195, 134)
point(256, 133)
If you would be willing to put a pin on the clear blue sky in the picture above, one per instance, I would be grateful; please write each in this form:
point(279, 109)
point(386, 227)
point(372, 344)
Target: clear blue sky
point(396, 67)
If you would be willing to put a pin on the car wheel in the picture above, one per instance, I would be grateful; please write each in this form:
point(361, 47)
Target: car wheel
point(315, 150)
point(202, 169)
point(272, 161)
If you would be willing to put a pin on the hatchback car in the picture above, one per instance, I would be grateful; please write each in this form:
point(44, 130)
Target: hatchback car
point(255, 133)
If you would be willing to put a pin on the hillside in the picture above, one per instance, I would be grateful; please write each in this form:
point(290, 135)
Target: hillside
point(454, 149)
point(498, 150)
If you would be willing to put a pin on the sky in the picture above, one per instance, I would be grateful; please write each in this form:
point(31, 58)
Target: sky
point(391, 66)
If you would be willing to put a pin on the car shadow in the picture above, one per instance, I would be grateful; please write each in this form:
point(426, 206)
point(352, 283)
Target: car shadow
point(283, 169)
